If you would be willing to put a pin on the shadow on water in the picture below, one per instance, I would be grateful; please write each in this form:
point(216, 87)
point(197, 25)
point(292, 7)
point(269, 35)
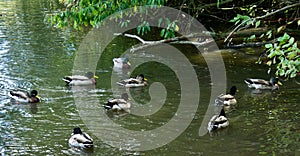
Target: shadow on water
point(36, 56)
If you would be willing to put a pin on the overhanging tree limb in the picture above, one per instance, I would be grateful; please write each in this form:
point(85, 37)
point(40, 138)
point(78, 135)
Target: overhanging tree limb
point(175, 40)
point(261, 17)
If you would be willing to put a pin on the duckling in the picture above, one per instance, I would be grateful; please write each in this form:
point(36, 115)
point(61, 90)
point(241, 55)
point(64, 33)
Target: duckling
point(21, 96)
point(121, 63)
point(273, 84)
point(228, 99)
point(139, 81)
point(80, 139)
point(118, 104)
point(77, 80)
point(218, 121)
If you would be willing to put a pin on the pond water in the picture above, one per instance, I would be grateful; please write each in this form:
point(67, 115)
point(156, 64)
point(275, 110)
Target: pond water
point(36, 56)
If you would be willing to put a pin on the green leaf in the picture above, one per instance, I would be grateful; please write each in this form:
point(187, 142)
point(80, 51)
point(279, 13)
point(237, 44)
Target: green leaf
point(281, 72)
point(233, 20)
point(263, 153)
point(293, 75)
point(272, 54)
point(280, 28)
point(269, 45)
point(166, 34)
point(252, 37)
point(162, 32)
point(269, 32)
point(139, 29)
point(291, 40)
point(257, 24)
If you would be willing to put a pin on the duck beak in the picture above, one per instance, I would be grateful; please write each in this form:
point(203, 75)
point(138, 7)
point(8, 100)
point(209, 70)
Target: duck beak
point(96, 77)
point(279, 83)
point(129, 63)
point(38, 97)
point(145, 79)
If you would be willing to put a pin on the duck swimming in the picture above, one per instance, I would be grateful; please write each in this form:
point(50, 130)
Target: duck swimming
point(228, 99)
point(139, 81)
point(80, 139)
point(118, 104)
point(218, 121)
point(273, 84)
point(121, 63)
point(77, 80)
point(21, 96)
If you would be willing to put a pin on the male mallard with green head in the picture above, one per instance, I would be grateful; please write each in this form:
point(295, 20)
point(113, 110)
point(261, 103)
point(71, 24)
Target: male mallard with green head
point(22, 96)
point(139, 81)
point(77, 80)
point(118, 104)
point(273, 84)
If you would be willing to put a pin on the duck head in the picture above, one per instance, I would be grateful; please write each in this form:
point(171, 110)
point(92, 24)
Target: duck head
point(275, 82)
point(233, 90)
point(125, 60)
point(33, 93)
point(141, 77)
point(91, 75)
point(77, 130)
point(222, 113)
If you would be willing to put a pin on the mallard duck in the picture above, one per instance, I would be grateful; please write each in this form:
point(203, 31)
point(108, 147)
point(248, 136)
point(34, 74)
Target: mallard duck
point(227, 99)
point(21, 96)
point(218, 121)
point(77, 80)
point(118, 104)
point(80, 139)
point(273, 84)
point(121, 63)
point(139, 81)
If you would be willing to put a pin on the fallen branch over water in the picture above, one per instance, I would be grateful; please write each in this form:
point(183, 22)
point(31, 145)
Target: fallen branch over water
point(204, 37)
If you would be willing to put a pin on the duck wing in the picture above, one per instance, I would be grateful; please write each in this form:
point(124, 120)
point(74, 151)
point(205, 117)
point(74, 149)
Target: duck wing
point(81, 140)
point(114, 103)
point(19, 94)
point(257, 81)
point(76, 77)
point(128, 81)
point(226, 97)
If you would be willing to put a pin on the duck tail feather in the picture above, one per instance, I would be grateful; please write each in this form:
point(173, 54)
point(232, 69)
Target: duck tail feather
point(67, 80)
point(248, 81)
point(107, 107)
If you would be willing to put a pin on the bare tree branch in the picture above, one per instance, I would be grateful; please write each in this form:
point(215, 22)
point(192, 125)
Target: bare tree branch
point(175, 40)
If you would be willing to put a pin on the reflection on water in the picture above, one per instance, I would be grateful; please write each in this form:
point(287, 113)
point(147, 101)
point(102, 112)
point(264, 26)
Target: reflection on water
point(35, 56)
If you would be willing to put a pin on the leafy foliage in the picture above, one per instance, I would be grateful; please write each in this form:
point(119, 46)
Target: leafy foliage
point(283, 53)
point(286, 55)
point(85, 13)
